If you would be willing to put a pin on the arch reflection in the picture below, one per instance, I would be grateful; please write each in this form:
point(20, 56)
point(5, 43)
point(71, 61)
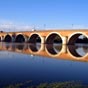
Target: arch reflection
point(78, 50)
point(53, 49)
point(21, 47)
point(73, 52)
point(7, 46)
point(35, 47)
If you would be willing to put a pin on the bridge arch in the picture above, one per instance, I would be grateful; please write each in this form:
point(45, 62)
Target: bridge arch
point(50, 39)
point(54, 43)
point(35, 42)
point(20, 38)
point(8, 38)
point(77, 41)
point(77, 37)
point(35, 38)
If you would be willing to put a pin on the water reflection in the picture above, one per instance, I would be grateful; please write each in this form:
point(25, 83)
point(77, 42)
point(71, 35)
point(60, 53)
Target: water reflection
point(35, 47)
point(20, 46)
point(13, 47)
point(15, 67)
point(78, 50)
point(7, 45)
point(53, 49)
point(49, 50)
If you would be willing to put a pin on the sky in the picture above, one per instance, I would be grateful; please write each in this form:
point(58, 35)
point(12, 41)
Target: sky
point(43, 14)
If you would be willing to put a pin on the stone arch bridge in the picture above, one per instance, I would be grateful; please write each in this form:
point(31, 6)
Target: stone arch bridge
point(53, 43)
point(44, 36)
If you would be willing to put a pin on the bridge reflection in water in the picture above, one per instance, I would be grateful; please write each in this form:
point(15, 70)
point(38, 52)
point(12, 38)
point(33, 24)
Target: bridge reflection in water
point(66, 52)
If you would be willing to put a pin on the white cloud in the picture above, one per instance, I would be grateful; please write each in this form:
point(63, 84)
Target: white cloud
point(10, 26)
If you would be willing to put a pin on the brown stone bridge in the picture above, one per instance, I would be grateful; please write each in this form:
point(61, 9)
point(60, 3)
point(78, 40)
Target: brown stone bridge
point(48, 38)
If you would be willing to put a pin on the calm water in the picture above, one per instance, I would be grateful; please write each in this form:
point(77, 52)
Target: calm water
point(18, 67)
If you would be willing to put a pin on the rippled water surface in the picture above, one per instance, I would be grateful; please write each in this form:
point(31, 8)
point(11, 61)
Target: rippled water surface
point(20, 67)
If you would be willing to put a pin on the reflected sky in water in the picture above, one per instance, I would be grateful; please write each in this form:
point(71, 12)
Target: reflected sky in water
point(21, 67)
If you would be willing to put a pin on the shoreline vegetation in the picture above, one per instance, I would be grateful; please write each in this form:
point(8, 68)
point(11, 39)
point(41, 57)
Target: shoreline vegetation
point(67, 84)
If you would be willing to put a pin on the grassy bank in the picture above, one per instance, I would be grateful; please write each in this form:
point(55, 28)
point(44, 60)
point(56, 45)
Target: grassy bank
point(69, 84)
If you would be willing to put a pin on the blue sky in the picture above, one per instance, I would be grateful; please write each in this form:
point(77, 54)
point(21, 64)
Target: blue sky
point(52, 13)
